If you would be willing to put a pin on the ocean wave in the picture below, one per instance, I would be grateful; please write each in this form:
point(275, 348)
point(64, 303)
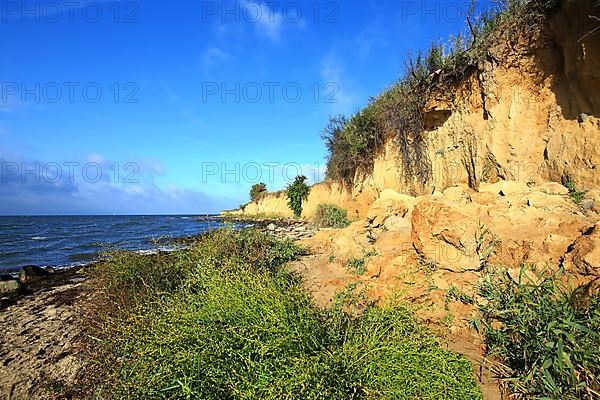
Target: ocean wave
point(39, 238)
point(83, 257)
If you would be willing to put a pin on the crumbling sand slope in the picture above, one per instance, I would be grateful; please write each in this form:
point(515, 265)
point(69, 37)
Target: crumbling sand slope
point(420, 248)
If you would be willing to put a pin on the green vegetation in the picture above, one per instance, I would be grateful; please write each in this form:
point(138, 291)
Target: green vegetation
point(547, 336)
point(225, 320)
point(331, 216)
point(297, 192)
point(358, 266)
point(397, 113)
point(455, 293)
point(257, 190)
point(576, 195)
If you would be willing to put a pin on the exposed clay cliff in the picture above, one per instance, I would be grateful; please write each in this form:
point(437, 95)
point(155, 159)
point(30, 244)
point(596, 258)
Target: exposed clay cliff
point(529, 113)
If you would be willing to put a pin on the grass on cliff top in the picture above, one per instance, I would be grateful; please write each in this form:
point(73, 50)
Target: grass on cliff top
point(225, 320)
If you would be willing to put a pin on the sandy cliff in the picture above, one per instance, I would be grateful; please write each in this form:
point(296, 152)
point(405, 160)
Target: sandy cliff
point(529, 113)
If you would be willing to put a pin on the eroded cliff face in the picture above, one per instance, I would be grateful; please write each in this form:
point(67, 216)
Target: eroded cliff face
point(530, 113)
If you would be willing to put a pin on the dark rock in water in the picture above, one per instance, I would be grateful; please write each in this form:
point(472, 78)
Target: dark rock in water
point(51, 270)
point(31, 273)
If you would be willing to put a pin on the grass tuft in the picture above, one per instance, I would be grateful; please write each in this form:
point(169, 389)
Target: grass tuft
point(547, 335)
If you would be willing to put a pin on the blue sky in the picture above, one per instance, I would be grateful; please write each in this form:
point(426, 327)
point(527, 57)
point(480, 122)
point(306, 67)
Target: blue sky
point(156, 107)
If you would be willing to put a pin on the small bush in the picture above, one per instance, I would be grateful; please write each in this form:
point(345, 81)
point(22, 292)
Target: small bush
point(548, 336)
point(297, 192)
point(331, 216)
point(352, 144)
point(257, 190)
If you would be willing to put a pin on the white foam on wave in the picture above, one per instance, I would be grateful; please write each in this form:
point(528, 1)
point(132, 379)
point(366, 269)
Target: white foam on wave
point(39, 238)
point(161, 249)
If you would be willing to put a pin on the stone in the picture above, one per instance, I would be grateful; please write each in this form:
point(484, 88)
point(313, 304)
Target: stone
point(462, 237)
point(584, 257)
point(594, 194)
point(588, 204)
point(32, 273)
point(390, 203)
point(271, 227)
point(9, 286)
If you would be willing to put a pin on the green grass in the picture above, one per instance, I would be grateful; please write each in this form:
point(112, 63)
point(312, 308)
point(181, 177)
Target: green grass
point(225, 320)
point(331, 216)
point(547, 337)
point(358, 266)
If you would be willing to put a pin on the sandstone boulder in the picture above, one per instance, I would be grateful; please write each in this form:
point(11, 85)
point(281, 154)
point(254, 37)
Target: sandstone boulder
point(396, 223)
point(463, 237)
point(553, 188)
point(584, 257)
point(389, 203)
point(483, 198)
point(457, 194)
point(545, 200)
point(505, 188)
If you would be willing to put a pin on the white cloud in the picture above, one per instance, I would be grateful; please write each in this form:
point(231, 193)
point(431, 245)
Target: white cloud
point(269, 22)
point(74, 194)
point(213, 56)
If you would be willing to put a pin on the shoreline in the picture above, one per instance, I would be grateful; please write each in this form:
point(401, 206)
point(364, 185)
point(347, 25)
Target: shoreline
point(43, 349)
point(39, 278)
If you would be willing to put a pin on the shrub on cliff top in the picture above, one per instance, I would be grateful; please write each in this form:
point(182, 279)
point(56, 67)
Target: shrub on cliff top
point(257, 190)
point(351, 144)
point(297, 192)
point(237, 325)
point(331, 216)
